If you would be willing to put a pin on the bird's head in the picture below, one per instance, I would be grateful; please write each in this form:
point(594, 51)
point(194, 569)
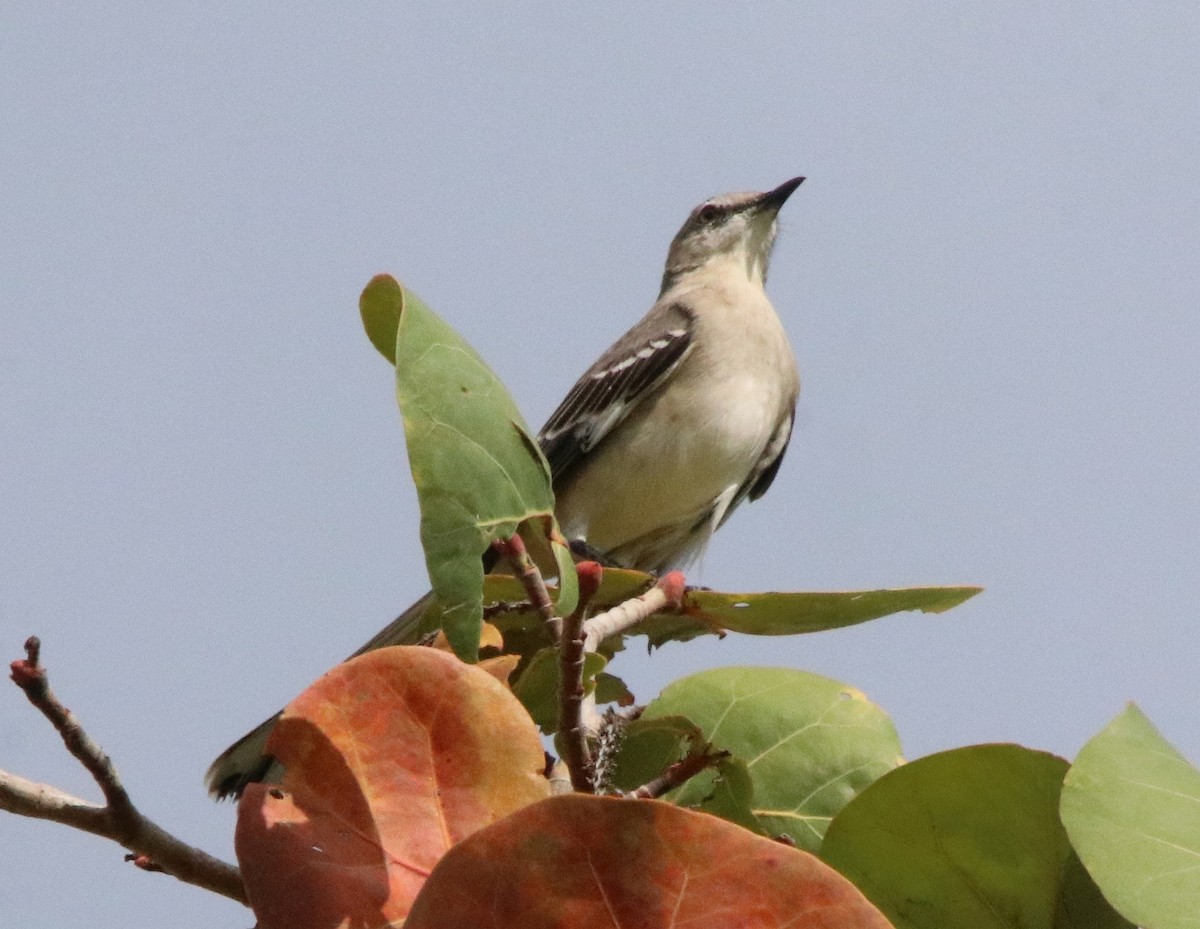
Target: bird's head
point(733, 227)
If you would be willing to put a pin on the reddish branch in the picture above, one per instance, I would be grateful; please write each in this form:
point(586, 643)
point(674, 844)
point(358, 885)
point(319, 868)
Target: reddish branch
point(152, 848)
point(580, 637)
point(576, 753)
point(677, 774)
point(576, 636)
point(530, 577)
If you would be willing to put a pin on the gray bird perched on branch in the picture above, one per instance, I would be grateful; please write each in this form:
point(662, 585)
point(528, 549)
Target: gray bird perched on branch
point(686, 415)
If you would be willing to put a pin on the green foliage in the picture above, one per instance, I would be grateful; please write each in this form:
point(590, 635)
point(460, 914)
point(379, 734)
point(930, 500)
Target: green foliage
point(1131, 805)
point(968, 838)
point(713, 612)
point(477, 468)
point(415, 784)
point(804, 743)
point(816, 611)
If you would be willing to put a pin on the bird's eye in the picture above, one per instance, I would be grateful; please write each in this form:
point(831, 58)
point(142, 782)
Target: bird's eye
point(708, 213)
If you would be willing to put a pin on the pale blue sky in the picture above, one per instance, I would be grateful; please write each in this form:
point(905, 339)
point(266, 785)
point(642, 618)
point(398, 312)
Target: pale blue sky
point(991, 279)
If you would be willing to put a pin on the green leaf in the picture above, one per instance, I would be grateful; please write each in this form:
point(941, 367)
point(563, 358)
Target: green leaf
point(380, 307)
point(807, 743)
point(792, 613)
point(710, 612)
point(478, 470)
point(1080, 903)
point(1131, 805)
point(611, 689)
point(649, 746)
point(728, 791)
point(968, 839)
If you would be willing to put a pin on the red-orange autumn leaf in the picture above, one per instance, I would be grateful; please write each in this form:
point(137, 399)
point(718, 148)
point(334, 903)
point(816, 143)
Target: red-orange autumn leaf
point(600, 862)
point(391, 759)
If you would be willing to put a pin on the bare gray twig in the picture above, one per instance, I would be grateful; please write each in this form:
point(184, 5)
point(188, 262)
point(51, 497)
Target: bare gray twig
point(152, 847)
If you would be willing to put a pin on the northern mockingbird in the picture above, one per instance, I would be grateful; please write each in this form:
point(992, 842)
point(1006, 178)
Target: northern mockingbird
point(684, 417)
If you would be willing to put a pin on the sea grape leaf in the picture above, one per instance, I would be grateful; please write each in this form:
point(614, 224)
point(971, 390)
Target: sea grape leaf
point(478, 470)
point(391, 758)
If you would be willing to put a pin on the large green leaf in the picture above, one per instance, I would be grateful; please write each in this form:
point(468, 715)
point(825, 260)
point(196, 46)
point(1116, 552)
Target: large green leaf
point(711, 612)
point(477, 468)
point(807, 743)
point(968, 839)
point(1131, 805)
point(790, 613)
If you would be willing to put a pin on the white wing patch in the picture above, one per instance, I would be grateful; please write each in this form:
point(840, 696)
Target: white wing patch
point(633, 368)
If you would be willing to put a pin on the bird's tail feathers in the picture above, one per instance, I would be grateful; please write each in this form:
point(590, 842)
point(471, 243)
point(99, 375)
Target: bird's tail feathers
point(246, 761)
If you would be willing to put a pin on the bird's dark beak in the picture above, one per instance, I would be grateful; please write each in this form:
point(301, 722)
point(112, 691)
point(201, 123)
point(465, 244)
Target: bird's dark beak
point(774, 199)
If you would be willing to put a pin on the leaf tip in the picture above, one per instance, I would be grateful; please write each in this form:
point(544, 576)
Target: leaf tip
point(955, 596)
point(380, 305)
point(382, 280)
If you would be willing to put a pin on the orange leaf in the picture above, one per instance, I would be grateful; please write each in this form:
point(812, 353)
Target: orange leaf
point(589, 862)
point(500, 667)
point(489, 637)
point(391, 759)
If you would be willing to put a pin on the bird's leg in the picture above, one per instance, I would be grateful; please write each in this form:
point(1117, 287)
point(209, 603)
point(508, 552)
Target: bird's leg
point(584, 551)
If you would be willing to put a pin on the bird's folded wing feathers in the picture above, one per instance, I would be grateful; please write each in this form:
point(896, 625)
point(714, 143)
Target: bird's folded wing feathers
point(759, 480)
point(632, 369)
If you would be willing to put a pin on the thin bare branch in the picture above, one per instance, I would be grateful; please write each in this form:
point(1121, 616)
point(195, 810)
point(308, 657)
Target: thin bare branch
point(153, 847)
point(30, 676)
point(677, 774)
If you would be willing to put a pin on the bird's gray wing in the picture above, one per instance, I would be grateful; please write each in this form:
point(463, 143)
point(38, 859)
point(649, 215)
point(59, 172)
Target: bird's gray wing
point(632, 369)
point(759, 479)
